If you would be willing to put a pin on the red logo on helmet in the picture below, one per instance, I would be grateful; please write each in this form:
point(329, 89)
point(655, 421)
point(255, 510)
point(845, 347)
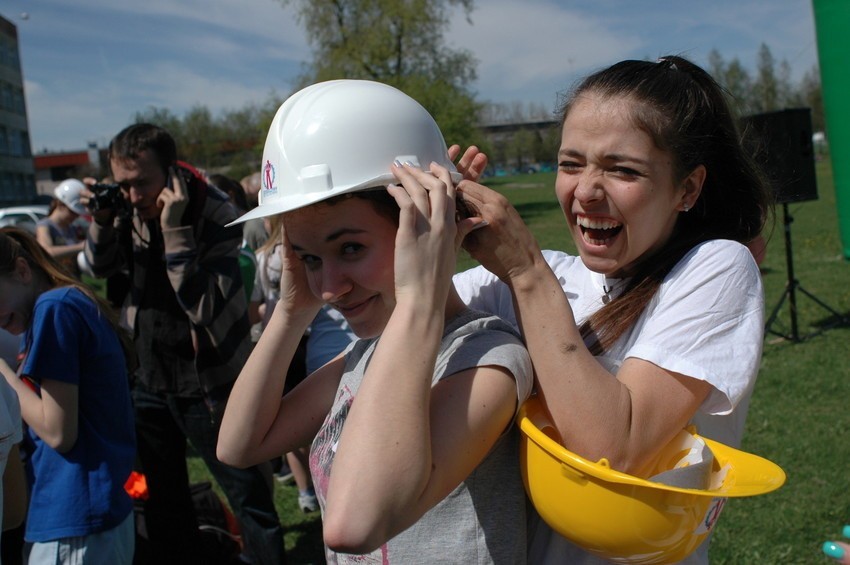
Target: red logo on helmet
point(268, 177)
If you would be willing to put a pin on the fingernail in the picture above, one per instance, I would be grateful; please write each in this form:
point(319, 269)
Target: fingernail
point(846, 532)
point(397, 163)
point(831, 549)
point(409, 163)
point(483, 224)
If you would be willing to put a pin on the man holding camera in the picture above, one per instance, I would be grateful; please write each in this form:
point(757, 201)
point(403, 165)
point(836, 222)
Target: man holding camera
point(188, 313)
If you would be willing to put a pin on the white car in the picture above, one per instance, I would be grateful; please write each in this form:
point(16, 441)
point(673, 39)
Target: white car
point(23, 216)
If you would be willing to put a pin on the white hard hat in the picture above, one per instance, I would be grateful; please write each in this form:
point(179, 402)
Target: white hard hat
point(341, 136)
point(68, 192)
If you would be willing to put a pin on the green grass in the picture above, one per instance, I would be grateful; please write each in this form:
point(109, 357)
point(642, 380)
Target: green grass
point(798, 415)
point(302, 532)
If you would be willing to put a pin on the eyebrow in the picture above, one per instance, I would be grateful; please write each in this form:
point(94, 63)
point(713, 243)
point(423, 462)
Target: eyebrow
point(334, 236)
point(128, 182)
point(607, 157)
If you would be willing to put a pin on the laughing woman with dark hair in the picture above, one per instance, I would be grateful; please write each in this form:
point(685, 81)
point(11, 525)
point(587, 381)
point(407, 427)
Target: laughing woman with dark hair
point(658, 322)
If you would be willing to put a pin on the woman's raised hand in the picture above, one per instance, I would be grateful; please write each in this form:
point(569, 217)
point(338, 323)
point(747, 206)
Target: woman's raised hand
point(505, 246)
point(428, 235)
point(295, 293)
point(471, 164)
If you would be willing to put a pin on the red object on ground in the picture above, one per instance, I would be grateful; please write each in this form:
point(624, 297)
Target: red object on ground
point(137, 486)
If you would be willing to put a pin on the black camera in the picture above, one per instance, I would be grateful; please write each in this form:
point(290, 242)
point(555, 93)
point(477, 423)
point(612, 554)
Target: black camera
point(106, 196)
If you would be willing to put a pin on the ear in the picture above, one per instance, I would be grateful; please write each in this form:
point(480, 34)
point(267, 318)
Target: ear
point(691, 188)
point(22, 272)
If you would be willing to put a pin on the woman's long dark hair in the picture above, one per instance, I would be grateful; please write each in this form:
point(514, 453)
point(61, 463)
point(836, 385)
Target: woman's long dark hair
point(686, 113)
point(15, 242)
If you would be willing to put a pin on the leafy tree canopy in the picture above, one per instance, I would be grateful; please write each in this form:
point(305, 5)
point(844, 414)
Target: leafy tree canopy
point(397, 42)
point(771, 89)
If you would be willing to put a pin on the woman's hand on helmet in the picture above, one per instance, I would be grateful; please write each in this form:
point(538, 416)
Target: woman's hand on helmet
point(295, 293)
point(428, 235)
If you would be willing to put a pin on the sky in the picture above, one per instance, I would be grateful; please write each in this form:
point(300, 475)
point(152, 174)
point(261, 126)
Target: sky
point(90, 65)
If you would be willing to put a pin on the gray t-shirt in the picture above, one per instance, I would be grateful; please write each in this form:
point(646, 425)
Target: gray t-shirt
point(484, 519)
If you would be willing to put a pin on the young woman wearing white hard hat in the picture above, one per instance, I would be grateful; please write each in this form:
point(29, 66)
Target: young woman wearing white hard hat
point(414, 456)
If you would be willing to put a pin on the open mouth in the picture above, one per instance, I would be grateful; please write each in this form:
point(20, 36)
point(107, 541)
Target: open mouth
point(597, 231)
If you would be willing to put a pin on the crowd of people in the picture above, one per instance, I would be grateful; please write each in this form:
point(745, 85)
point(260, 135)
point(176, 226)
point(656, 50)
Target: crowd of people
point(386, 382)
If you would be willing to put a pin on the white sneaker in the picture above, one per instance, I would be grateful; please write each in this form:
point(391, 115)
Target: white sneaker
point(308, 503)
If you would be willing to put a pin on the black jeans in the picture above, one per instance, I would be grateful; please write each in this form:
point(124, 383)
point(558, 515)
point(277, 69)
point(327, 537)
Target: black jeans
point(164, 423)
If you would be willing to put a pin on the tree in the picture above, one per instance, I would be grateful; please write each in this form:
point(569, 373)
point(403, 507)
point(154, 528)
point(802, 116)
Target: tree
point(201, 135)
point(162, 117)
point(812, 97)
point(231, 143)
point(397, 42)
point(766, 89)
point(735, 79)
point(773, 89)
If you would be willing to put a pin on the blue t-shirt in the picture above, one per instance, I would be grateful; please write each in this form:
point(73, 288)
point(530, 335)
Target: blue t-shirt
point(80, 492)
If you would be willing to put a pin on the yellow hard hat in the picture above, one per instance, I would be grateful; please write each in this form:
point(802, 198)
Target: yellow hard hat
point(623, 518)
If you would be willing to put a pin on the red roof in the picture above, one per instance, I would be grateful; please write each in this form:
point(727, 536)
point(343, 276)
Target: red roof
point(61, 160)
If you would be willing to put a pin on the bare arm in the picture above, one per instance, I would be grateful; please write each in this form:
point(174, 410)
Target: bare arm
point(425, 441)
point(42, 234)
point(626, 419)
point(406, 446)
point(53, 415)
point(258, 424)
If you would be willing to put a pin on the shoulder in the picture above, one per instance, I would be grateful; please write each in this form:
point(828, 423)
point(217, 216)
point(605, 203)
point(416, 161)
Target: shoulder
point(487, 326)
point(64, 299)
point(721, 259)
point(476, 339)
point(217, 206)
point(210, 211)
point(707, 322)
point(478, 277)
point(722, 249)
point(720, 271)
point(62, 296)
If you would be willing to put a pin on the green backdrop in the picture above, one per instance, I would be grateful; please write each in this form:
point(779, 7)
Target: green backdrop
point(832, 22)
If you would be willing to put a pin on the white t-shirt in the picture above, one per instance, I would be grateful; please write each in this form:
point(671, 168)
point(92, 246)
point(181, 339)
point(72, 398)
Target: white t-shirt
point(706, 321)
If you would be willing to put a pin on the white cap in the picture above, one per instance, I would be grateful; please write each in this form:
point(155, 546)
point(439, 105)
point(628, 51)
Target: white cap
point(68, 192)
